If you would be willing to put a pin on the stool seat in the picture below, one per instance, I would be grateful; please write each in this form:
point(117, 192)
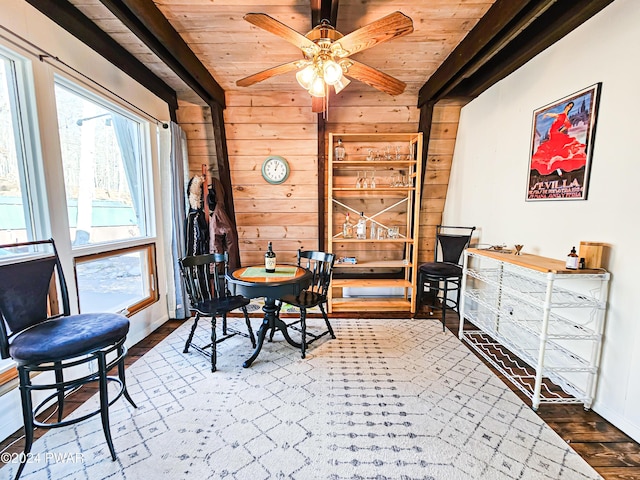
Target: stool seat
point(441, 269)
point(67, 337)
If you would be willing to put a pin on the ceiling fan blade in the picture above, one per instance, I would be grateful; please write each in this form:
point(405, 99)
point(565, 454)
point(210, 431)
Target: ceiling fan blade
point(392, 26)
point(268, 73)
point(272, 25)
point(375, 78)
point(317, 104)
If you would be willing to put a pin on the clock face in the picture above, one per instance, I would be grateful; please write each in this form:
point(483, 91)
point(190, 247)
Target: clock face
point(275, 170)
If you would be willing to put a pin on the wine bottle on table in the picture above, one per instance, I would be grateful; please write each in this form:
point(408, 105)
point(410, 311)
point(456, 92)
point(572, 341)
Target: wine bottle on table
point(270, 260)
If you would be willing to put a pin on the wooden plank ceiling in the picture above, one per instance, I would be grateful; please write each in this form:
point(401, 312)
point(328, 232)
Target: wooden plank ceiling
point(230, 48)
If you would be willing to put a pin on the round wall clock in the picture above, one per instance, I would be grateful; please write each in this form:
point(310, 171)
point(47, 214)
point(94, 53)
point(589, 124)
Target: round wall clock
point(275, 169)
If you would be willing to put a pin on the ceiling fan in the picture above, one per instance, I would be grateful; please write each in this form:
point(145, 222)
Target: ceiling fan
point(325, 54)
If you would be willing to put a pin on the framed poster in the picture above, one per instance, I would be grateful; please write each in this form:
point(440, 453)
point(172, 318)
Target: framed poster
point(562, 146)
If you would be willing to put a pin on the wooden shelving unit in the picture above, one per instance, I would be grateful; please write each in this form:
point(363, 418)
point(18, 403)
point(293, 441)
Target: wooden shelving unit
point(385, 267)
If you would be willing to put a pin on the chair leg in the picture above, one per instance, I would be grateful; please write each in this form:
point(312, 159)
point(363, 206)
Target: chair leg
point(326, 320)
point(303, 329)
point(121, 376)
point(213, 344)
point(59, 381)
point(246, 320)
point(224, 323)
point(104, 401)
point(193, 330)
point(444, 304)
point(27, 415)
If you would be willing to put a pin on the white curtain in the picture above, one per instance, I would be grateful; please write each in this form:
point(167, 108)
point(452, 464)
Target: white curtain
point(128, 140)
point(174, 177)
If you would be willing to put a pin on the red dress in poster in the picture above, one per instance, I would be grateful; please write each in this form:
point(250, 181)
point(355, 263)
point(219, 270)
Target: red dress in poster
point(561, 151)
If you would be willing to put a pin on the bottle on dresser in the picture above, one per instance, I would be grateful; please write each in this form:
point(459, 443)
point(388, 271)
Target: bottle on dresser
point(347, 227)
point(572, 259)
point(361, 228)
point(270, 260)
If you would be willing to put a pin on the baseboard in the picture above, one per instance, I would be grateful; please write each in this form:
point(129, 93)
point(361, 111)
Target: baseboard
point(619, 422)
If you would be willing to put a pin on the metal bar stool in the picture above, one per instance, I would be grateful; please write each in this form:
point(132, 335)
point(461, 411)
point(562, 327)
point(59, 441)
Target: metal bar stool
point(41, 339)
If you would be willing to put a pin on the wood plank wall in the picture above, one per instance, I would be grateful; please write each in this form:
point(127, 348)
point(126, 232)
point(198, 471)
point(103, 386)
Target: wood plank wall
point(444, 129)
point(195, 120)
point(259, 124)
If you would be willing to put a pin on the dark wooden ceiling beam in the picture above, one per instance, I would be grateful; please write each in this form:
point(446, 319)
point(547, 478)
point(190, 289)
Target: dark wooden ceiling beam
point(486, 37)
point(557, 21)
point(510, 34)
point(321, 9)
point(148, 23)
point(76, 23)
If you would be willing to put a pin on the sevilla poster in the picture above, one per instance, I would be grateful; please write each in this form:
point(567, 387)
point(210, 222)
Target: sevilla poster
point(562, 146)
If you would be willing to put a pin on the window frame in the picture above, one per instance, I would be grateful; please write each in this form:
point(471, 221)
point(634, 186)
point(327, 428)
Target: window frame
point(147, 194)
point(22, 101)
point(150, 249)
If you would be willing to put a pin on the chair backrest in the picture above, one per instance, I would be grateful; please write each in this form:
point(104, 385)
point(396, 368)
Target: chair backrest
point(32, 290)
point(451, 242)
point(320, 264)
point(205, 276)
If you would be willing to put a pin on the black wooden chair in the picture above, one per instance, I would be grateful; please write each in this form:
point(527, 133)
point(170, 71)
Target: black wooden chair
point(206, 283)
point(438, 278)
point(38, 332)
point(321, 266)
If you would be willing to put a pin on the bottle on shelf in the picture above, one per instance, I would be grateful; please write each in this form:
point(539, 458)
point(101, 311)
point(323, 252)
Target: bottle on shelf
point(340, 151)
point(361, 228)
point(347, 227)
point(572, 259)
point(270, 260)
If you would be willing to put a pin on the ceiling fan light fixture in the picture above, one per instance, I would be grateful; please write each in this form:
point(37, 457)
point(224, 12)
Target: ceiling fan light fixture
point(332, 72)
point(340, 84)
point(317, 88)
point(306, 77)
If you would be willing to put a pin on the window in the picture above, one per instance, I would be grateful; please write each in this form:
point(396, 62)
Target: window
point(20, 218)
point(103, 163)
point(118, 281)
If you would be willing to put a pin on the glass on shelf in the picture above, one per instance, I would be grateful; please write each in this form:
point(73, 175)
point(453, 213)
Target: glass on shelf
point(365, 181)
point(398, 156)
point(372, 183)
point(370, 155)
point(359, 180)
point(394, 232)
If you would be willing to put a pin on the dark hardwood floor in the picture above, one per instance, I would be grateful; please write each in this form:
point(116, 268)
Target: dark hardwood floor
point(608, 450)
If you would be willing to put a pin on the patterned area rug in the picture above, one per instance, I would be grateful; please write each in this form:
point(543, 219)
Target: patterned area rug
point(387, 399)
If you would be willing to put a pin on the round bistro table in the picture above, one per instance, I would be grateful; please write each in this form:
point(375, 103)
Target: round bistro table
point(255, 282)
